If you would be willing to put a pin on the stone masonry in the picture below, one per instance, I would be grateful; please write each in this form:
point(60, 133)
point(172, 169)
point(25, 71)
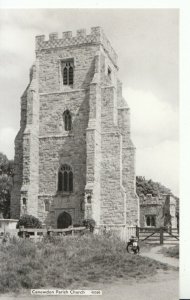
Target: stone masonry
point(97, 148)
point(162, 208)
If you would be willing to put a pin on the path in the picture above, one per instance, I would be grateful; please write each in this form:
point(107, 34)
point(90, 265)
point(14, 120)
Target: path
point(154, 253)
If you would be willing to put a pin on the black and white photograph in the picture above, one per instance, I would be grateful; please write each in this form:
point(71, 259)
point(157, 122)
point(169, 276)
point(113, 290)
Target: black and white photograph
point(90, 203)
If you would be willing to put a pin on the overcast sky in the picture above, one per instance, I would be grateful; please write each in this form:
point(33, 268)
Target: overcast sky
point(146, 42)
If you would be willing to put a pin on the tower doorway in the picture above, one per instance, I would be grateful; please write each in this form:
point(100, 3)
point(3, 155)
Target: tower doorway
point(64, 220)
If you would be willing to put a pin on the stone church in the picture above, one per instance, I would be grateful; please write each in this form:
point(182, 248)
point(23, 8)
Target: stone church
point(74, 158)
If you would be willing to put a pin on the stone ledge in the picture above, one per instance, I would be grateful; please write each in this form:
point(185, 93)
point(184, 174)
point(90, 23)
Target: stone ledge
point(63, 92)
point(55, 136)
point(123, 107)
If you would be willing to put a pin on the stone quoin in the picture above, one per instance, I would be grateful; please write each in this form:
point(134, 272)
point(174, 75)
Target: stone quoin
point(74, 158)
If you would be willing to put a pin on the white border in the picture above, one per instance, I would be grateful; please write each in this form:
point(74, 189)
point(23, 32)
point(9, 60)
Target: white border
point(184, 150)
point(184, 6)
point(91, 4)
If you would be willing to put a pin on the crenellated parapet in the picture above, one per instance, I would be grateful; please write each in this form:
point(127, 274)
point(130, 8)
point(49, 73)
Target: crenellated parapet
point(96, 36)
point(149, 199)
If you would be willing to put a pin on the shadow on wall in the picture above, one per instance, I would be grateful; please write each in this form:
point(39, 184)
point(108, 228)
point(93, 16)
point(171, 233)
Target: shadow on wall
point(89, 75)
point(18, 160)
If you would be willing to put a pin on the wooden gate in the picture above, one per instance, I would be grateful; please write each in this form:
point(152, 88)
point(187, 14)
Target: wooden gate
point(170, 235)
point(157, 235)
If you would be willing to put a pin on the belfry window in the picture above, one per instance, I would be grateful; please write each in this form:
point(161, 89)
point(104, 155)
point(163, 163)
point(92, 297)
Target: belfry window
point(67, 72)
point(65, 179)
point(67, 120)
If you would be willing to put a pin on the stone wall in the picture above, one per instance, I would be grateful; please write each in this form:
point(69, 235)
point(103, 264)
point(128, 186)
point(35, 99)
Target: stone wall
point(163, 207)
point(25, 189)
point(128, 160)
point(58, 146)
point(98, 147)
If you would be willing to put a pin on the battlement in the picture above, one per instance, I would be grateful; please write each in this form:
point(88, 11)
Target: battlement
point(96, 36)
point(150, 199)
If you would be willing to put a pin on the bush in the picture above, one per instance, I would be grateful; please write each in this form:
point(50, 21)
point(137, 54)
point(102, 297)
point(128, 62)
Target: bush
point(90, 224)
point(29, 221)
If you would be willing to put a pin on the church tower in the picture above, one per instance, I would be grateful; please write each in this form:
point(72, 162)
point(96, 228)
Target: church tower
point(74, 158)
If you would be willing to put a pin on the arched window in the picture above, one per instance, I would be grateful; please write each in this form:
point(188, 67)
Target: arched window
point(65, 76)
point(67, 69)
point(70, 75)
point(60, 181)
point(65, 179)
point(67, 120)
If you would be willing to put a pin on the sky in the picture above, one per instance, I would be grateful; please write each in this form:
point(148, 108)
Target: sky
point(146, 41)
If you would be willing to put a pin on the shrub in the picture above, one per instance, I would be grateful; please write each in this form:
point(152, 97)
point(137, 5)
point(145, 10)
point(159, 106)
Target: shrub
point(90, 224)
point(29, 221)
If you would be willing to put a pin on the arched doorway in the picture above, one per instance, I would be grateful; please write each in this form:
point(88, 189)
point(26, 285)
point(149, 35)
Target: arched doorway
point(64, 220)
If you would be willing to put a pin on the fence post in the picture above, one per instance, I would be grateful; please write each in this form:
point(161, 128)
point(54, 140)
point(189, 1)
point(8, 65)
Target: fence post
point(170, 229)
point(137, 232)
point(161, 236)
point(35, 236)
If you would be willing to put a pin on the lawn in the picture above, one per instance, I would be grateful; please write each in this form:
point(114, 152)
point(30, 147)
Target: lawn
point(69, 262)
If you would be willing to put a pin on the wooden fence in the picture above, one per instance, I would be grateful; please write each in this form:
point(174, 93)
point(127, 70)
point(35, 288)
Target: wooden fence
point(127, 232)
point(124, 232)
point(157, 235)
point(38, 234)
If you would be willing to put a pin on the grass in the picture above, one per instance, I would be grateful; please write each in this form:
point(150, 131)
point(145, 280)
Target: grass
point(69, 261)
point(171, 251)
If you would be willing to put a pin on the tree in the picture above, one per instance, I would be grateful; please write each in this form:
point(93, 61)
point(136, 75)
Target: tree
point(145, 187)
point(5, 195)
point(6, 183)
point(29, 221)
point(6, 165)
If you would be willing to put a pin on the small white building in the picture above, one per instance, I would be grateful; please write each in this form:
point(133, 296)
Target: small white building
point(7, 224)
